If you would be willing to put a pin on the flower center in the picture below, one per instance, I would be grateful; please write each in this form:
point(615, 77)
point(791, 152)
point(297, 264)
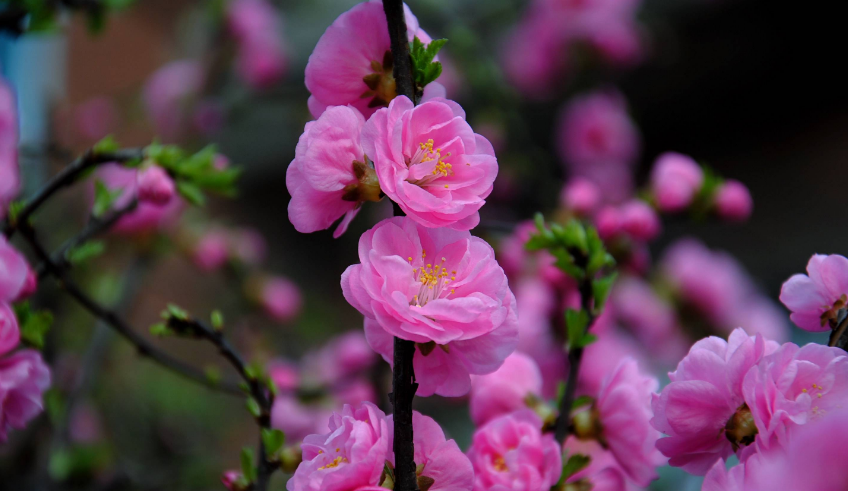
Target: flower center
point(433, 281)
point(382, 87)
point(741, 430)
point(816, 412)
point(366, 187)
point(835, 313)
point(500, 464)
point(426, 153)
point(587, 425)
point(335, 463)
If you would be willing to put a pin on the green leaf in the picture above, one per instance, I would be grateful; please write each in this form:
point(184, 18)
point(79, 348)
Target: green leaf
point(106, 145)
point(33, 325)
point(600, 289)
point(576, 322)
point(248, 464)
point(15, 208)
point(104, 198)
point(273, 440)
point(574, 464)
point(253, 407)
point(575, 236)
point(85, 251)
point(425, 69)
point(191, 192)
point(160, 329)
point(213, 374)
point(176, 312)
point(217, 319)
point(580, 402)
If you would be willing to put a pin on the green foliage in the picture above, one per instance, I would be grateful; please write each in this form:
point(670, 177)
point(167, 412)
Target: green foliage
point(176, 312)
point(248, 464)
point(160, 329)
point(107, 145)
point(15, 208)
point(425, 70)
point(85, 251)
point(253, 407)
point(576, 323)
point(575, 463)
point(581, 401)
point(273, 441)
point(104, 198)
point(194, 174)
point(34, 324)
point(601, 289)
point(217, 319)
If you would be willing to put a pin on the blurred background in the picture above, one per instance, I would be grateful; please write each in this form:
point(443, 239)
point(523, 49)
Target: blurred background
point(748, 87)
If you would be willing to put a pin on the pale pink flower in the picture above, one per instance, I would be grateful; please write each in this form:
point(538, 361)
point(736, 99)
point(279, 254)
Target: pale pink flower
point(639, 220)
point(147, 216)
point(341, 358)
point(623, 408)
point(261, 59)
point(168, 95)
point(14, 271)
point(580, 195)
point(330, 175)
point(351, 455)
point(430, 162)
point(511, 452)
point(10, 334)
point(10, 181)
point(816, 298)
point(536, 302)
point(505, 390)
point(703, 410)
point(281, 299)
point(794, 386)
point(212, 250)
point(733, 201)
point(602, 357)
point(650, 318)
point(675, 181)
point(351, 63)
point(442, 289)
point(155, 185)
point(720, 478)
point(23, 379)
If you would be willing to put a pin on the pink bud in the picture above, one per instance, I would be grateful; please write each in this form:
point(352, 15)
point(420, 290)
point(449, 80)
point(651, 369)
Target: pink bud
point(220, 162)
point(230, 480)
point(608, 222)
point(30, 285)
point(284, 374)
point(733, 201)
point(639, 220)
point(155, 185)
point(675, 180)
point(281, 299)
point(211, 251)
point(580, 195)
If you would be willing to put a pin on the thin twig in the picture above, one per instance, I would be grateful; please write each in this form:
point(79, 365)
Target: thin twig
point(839, 336)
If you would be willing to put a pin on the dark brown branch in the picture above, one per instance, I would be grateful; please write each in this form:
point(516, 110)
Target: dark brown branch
point(839, 335)
point(400, 48)
point(11, 20)
point(143, 346)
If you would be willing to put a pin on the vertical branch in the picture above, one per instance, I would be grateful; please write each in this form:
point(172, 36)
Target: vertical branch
point(403, 374)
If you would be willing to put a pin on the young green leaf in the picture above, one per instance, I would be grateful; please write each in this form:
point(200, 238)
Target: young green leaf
point(253, 407)
point(600, 289)
point(576, 322)
point(104, 198)
point(248, 464)
point(574, 464)
point(106, 145)
point(191, 192)
point(85, 251)
point(273, 440)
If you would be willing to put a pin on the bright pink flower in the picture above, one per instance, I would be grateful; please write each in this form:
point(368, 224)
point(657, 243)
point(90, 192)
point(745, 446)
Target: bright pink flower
point(155, 185)
point(675, 180)
point(30, 286)
point(95, 118)
point(330, 175)
point(261, 59)
point(511, 452)
point(505, 390)
point(624, 410)
point(23, 379)
point(794, 386)
point(703, 410)
point(212, 251)
point(442, 289)
point(733, 201)
point(719, 478)
point(580, 195)
point(342, 357)
point(816, 298)
point(351, 455)
point(438, 458)
point(10, 334)
point(147, 216)
point(281, 299)
point(430, 162)
point(352, 65)
point(167, 95)
point(10, 183)
point(639, 220)
point(14, 271)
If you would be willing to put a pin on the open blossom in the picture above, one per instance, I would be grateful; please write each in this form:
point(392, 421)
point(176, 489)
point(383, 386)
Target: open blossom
point(147, 216)
point(10, 182)
point(430, 162)
point(733, 201)
point(261, 59)
point(675, 180)
point(14, 272)
point(443, 290)
point(816, 298)
point(23, 379)
point(352, 62)
point(330, 176)
point(281, 298)
point(703, 410)
point(505, 390)
point(795, 386)
point(511, 452)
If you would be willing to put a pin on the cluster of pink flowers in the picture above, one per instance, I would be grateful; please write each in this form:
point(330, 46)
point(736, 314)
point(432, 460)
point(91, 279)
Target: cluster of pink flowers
point(154, 212)
point(9, 174)
point(743, 396)
point(261, 59)
point(23, 374)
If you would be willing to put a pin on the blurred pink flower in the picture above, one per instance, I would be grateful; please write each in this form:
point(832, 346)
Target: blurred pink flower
point(249, 246)
point(511, 452)
point(505, 390)
point(281, 299)
point(703, 410)
point(675, 181)
point(168, 95)
point(330, 175)
point(517, 261)
point(229, 479)
point(85, 426)
point(536, 303)
point(603, 472)
point(297, 420)
point(602, 357)
point(212, 251)
point(262, 60)
point(23, 379)
point(651, 319)
point(816, 298)
point(341, 358)
point(147, 217)
point(14, 272)
point(639, 220)
point(534, 57)
point(733, 201)
point(155, 185)
point(95, 118)
point(284, 374)
point(581, 196)
point(430, 162)
point(10, 184)
point(10, 334)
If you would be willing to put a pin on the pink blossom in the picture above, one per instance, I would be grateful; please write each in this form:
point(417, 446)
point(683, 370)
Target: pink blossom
point(350, 456)
point(14, 272)
point(352, 65)
point(536, 303)
point(147, 216)
point(281, 299)
point(212, 251)
point(602, 357)
point(155, 185)
point(639, 220)
point(23, 379)
point(534, 58)
point(608, 222)
point(816, 298)
point(619, 42)
point(342, 357)
point(603, 472)
point(675, 180)
point(10, 334)
point(430, 162)
point(284, 374)
point(733, 201)
point(580, 195)
point(518, 261)
point(511, 452)
point(96, 118)
point(703, 410)
point(230, 480)
point(10, 183)
point(442, 289)
point(30, 286)
point(261, 58)
point(650, 318)
point(330, 175)
point(249, 246)
point(719, 478)
point(167, 95)
point(794, 386)
point(505, 390)
point(296, 419)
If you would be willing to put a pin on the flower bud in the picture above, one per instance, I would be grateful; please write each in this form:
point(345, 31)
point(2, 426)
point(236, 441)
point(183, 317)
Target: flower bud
point(155, 185)
point(733, 201)
point(639, 220)
point(608, 222)
point(675, 180)
point(580, 195)
point(233, 480)
point(30, 285)
point(281, 299)
point(211, 251)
